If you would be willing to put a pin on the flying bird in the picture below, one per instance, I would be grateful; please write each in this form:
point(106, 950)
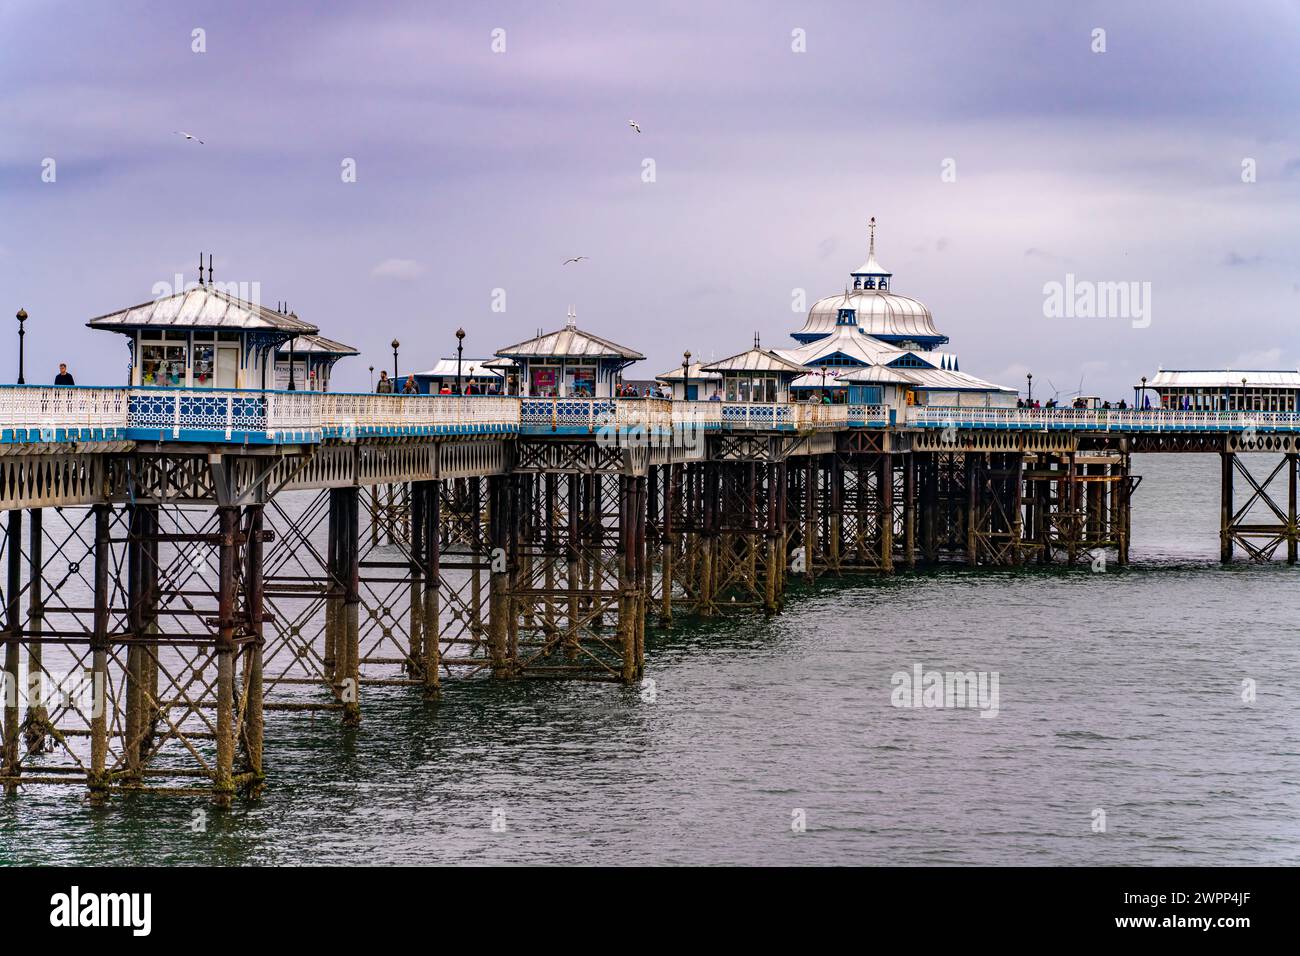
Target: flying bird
point(189, 136)
point(574, 259)
point(634, 126)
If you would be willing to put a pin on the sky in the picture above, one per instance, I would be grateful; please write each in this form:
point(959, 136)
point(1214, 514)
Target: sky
point(998, 148)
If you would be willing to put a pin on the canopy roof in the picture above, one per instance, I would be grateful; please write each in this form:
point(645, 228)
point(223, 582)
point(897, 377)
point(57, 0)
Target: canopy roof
point(756, 360)
point(695, 371)
point(569, 342)
point(316, 344)
point(202, 307)
point(1225, 378)
point(469, 368)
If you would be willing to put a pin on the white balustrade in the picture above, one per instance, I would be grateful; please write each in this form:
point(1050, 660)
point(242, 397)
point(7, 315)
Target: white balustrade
point(309, 416)
point(1102, 419)
point(815, 415)
point(62, 407)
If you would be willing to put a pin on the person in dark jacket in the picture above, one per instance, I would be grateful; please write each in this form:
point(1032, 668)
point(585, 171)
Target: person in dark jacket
point(385, 384)
point(64, 377)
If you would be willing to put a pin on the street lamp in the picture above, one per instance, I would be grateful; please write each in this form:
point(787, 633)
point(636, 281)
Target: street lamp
point(1029, 378)
point(1143, 399)
point(460, 348)
point(396, 346)
point(686, 374)
point(372, 378)
point(21, 317)
point(292, 386)
point(1243, 393)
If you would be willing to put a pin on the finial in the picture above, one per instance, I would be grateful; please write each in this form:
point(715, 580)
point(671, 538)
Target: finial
point(756, 345)
point(200, 268)
point(573, 318)
point(209, 267)
point(872, 226)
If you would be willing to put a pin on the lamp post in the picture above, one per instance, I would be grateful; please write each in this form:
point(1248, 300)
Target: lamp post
point(686, 375)
point(1139, 403)
point(21, 317)
point(396, 346)
point(1029, 379)
point(1243, 393)
point(292, 387)
point(372, 378)
point(460, 350)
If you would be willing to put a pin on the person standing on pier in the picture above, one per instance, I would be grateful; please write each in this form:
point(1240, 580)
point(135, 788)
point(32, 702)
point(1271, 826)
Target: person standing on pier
point(410, 388)
point(385, 384)
point(64, 377)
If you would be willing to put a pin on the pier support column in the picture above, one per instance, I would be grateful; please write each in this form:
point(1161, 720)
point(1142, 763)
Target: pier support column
point(38, 717)
point(930, 508)
point(1292, 530)
point(1121, 511)
point(886, 515)
point(499, 534)
point(709, 518)
point(834, 512)
point(223, 786)
point(334, 587)
point(253, 775)
point(415, 623)
point(136, 653)
point(909, 511)
point(773, 548)
point(671, 489)
point(432, 635)
point(1226, 462)
point(810, 518)
point(12, 682)
point(98, 780)
point(349, 667)
point(972, 507)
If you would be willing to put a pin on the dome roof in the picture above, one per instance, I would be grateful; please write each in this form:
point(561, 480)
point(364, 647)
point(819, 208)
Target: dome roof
point(882, 314)
point(872, 308)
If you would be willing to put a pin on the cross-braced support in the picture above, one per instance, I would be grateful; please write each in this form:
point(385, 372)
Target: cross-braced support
point(1247, 526)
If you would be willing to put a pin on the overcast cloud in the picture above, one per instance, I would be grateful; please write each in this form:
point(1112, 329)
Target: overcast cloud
point(479, 171)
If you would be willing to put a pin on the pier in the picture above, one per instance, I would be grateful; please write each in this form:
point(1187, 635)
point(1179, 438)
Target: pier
point(188, 554)
point(202, 558)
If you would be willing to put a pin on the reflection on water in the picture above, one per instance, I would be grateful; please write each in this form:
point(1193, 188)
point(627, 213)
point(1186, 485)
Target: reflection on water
point(1119, 691)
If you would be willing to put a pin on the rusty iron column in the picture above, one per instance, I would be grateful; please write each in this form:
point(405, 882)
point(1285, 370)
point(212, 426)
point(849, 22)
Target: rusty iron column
point(810, 518)
point(37, 715)
point(644, 573)
point(709, 517)
point(415, 601)
point(499, 527)
point(1226, 461)
point(625, 550)
point(350, 638)
point(98, 781)
point(834, 511)
point(254, 601)
point(772, 542)
point(671, 487)
point(886, 515)
point(1292, 530)
point(334, 589)
point(133, 730)
point(227, 593)
point(972, 508)
point(432, 582)
point(11, 682)
point(909, 510)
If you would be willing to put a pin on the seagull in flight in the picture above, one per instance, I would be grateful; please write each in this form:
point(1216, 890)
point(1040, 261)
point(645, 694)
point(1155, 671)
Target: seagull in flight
point(189, 136)
point(574, 259)
point(634, 126)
